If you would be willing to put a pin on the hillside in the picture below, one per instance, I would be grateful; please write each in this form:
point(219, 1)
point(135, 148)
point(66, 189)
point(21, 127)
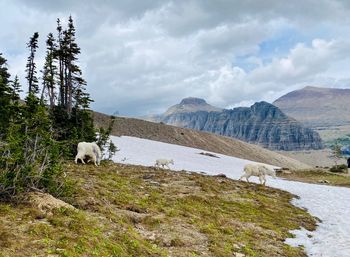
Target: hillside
point(262, 124)
point(197, 139)
point(315, 106)
point(125, 210)
point(325, 109)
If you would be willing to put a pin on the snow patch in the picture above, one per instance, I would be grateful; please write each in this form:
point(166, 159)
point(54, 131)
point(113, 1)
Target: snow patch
point(328, 203)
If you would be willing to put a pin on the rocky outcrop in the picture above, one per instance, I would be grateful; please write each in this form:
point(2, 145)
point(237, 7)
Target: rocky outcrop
point(263, 124)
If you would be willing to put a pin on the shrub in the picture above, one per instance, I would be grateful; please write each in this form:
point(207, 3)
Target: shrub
point(339, 168)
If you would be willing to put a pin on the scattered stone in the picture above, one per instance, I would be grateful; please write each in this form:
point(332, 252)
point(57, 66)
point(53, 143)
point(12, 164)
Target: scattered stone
point(147, 176)
point(238, 254)
point(155, 183)
point(286, 172)
point(323, 181)
point(46, 203)
point(209, 154)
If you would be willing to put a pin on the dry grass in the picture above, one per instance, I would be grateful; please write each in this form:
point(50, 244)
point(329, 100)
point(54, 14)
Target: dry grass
point(316, 176)
point(129, 210)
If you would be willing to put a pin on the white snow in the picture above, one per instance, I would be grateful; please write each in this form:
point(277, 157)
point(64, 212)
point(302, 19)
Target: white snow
point(328, 203)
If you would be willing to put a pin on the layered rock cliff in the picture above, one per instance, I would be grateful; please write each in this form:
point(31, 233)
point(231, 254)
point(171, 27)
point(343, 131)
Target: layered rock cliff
point(263, 124)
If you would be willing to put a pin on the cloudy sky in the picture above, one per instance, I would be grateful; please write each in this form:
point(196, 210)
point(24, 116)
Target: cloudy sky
point(140, 57)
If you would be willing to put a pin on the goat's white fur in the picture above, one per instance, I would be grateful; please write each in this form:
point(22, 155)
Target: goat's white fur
point(258, 170)
point(163, 162)
point(91, 150)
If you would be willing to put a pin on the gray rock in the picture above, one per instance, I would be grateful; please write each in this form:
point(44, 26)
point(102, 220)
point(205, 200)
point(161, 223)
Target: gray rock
point(263, 124)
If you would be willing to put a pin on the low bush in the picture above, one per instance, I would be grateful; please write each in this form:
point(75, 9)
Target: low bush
point(339, 168)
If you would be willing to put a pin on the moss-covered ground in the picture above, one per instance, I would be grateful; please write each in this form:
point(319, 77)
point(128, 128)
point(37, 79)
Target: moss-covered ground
point(125, 210)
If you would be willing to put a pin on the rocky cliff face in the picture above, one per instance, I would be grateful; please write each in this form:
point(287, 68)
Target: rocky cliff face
point(263, 124)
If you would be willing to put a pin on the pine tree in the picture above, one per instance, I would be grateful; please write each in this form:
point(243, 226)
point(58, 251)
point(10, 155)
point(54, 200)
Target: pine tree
point(5, 96)
point(60, 57)
point(15, 90)
point(31, 66)
point(72, 118)
point(50, 71)
point(75, 94)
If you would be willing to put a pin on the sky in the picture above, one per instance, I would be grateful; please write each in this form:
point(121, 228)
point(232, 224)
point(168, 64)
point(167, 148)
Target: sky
point(140, 57)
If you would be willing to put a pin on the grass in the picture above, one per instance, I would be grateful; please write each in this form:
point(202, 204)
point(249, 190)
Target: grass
point(318, 175)
point(126, 210)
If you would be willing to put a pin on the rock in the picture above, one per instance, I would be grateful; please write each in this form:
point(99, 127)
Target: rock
point(323, 181)
point(238, 255)
point(221, 175)
point(263, 124)
point(46, 203)
point(147, 176)
point(155, 183)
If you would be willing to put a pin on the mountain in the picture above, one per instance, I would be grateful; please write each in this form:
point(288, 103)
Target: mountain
point(317, 107)
point(263, 124)
point(191, 104)
point(197, 139)
point(187, 105)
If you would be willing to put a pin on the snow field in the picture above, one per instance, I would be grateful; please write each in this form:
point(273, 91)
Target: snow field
point(328, 203)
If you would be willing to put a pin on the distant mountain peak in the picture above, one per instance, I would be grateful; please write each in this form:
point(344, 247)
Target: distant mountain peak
point(191, 104)
point(193, 100)
point(317, 106)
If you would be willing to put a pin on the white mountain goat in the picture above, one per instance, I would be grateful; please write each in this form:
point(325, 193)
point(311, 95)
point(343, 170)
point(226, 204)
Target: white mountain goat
point(258, 170)
point(163, 162)
point(91, 150)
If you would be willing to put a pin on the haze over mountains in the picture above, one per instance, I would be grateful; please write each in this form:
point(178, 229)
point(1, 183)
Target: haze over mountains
point(262, 124)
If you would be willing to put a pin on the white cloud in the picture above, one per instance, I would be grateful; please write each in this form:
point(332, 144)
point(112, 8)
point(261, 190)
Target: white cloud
point(142, 56)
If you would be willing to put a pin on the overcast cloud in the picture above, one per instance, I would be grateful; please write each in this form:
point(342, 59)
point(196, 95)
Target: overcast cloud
point(140, 57)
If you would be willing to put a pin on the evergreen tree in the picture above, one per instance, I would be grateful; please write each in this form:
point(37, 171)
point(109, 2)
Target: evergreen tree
point(31, 66)
point(60, 57)
point(15, 90)
point(5, 96)
point(50, 71)
point(75, 94)
point(72, 118)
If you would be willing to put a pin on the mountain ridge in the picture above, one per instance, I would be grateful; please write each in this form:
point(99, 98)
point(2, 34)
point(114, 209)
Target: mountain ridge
point(196, 139)
point(263, 124)
point(317, 106)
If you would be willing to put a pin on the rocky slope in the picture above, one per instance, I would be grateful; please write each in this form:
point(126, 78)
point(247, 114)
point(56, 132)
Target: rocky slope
point(315, 107)
point(263, 124)
point(197, 139)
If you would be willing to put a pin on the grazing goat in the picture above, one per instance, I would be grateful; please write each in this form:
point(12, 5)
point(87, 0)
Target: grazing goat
point(91, 150)
point(163, 162)
point(258, 170)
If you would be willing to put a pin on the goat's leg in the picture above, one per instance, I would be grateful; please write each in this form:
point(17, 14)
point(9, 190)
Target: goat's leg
point(242, 177)
point(94, 160)
point(261, 179)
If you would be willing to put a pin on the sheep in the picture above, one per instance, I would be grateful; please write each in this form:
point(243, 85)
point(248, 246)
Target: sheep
point(91, 150)
point(258, 170)
point(163, 162)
